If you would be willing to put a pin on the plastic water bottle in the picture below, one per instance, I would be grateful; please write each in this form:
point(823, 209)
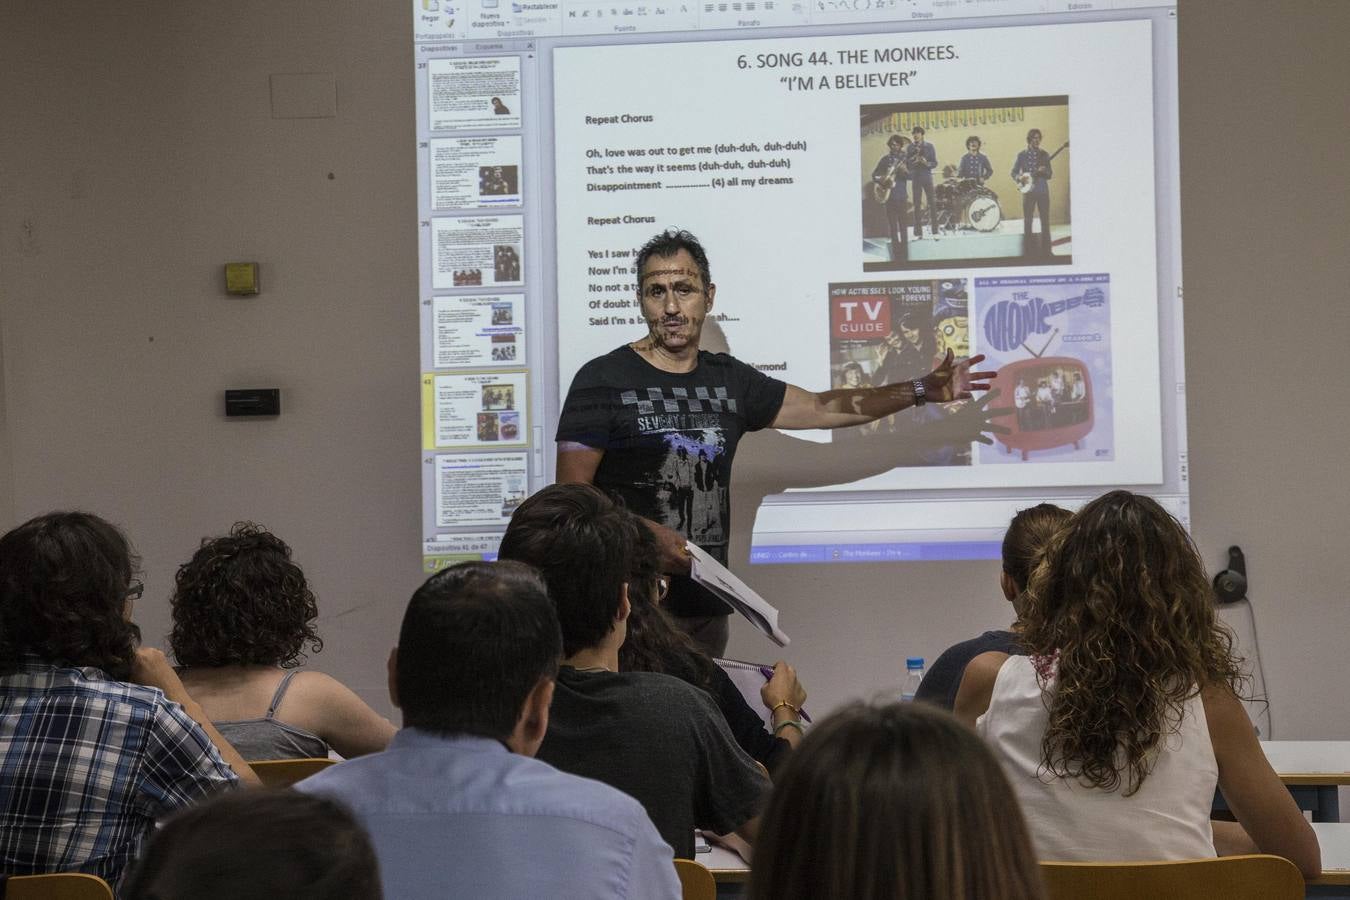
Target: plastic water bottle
point(913, 675)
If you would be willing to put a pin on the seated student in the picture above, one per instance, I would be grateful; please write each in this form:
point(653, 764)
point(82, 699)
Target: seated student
point(655, 644)
point(242, 614)
point(1116, 728)
point(895, 801)
point(97, 738)
point(651, 736)
point(1030, 530)
point(261, 844)
point(456, 807)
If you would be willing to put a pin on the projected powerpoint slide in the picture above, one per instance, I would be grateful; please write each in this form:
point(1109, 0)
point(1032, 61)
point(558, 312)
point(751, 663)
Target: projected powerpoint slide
point(1049, 339)
point(474, 332)
point(965, 183)
point(467, 173)
point(477, 250)
point(475, 409)
point(760, 148)
point(890, 332)
point(473, 93)
point(479, 488)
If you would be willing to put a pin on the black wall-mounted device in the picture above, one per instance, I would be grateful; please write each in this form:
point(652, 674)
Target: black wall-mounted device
point(1230, 585)
point(253, 402)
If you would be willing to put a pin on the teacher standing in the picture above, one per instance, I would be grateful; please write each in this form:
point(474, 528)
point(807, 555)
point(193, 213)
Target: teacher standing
point(637, 416)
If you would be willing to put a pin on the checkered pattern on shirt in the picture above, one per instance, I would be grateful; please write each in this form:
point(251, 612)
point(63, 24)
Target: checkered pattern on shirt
point(88, 764)
point(653, 400)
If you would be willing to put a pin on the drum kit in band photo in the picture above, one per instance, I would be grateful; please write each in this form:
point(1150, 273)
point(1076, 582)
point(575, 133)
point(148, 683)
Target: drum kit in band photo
point(966, 204)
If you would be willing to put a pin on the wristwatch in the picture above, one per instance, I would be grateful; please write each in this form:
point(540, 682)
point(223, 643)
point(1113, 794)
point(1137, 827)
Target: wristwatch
point(920, 395)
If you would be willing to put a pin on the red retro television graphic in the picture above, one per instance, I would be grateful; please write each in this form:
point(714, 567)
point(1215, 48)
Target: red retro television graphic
point(1051, 404)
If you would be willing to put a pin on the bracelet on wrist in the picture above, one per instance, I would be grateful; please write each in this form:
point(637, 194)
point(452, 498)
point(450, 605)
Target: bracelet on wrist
point(796, 710)
point(920, 392)
point(789, 723)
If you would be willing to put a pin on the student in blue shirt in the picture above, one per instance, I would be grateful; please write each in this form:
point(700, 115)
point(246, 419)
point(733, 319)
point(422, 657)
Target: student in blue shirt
point(457, 806)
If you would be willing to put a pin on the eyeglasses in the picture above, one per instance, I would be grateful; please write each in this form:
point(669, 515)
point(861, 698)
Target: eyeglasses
point(135, 590)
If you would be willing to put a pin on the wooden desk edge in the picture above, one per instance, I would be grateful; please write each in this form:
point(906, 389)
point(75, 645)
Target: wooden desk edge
point(1339, 877)
point(1315, 778)
point(739, 876)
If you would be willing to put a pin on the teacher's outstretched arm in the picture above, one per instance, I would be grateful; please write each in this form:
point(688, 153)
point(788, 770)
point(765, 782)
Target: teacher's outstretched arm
point(842, 407)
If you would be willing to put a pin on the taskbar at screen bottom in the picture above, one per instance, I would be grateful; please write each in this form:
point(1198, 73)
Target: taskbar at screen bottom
point(901, 551)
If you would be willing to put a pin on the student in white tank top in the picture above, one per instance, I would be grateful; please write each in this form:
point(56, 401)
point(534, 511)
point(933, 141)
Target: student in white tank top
point(1117, 727)
point(1167, 818)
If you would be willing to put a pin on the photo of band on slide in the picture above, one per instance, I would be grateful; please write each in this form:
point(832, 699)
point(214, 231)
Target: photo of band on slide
point(965, 183)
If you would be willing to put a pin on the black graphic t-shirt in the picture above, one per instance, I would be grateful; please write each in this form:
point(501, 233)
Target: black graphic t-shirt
point(669, 439)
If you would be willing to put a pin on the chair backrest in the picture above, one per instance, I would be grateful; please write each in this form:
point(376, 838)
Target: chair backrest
point(57, 886)
point(696, 882)
point(1254, 877)
point(286, 772)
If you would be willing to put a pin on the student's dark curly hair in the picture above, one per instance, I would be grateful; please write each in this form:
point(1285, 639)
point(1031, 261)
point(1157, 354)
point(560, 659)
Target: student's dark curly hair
point(241, 601)
point(1121, 602)
point(653, 642)
point(63, 593)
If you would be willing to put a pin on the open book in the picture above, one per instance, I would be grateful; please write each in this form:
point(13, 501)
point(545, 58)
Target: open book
point(718, 578)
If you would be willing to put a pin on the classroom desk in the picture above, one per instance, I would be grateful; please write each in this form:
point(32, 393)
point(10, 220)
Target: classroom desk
point(1334, 839)
point(728, 870)
point(727, 867)
point(1313, 770)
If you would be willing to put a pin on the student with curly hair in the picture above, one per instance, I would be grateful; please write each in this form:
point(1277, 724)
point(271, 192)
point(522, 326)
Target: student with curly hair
point(242, 618)
point(1116, 728)
point(894, 802)
point(98, 737)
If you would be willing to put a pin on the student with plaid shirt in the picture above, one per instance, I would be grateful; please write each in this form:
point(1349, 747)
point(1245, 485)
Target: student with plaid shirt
point(98, 738)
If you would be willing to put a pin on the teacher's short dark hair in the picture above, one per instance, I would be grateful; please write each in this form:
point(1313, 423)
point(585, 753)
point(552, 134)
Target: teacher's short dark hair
point(667, 244)
point(476, 639)
point(583, 544)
